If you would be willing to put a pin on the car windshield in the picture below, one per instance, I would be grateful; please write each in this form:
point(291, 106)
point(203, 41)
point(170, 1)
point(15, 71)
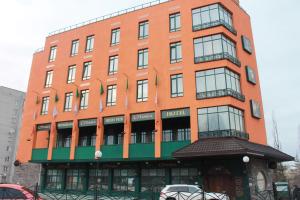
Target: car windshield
point(282, 188)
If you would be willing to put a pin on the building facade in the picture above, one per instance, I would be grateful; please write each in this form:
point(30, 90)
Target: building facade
point(141, 86)
point(11, 106)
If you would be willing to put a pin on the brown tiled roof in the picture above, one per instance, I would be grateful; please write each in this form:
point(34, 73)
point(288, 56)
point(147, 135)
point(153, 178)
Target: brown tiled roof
point(230, 146)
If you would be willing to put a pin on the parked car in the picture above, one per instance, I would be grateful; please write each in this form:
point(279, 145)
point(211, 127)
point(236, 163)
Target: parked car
point(187, 192)
point(12, 191)
point(282, 191)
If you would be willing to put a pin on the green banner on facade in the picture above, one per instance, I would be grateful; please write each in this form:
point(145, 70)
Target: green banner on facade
point(167, 114)
point(43, 127)
point(140, 117)
point(113, 120)
point(64, 125)
point(87, 122)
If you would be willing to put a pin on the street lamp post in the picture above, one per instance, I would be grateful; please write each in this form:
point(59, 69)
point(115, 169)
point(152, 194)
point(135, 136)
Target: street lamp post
point(98, 155)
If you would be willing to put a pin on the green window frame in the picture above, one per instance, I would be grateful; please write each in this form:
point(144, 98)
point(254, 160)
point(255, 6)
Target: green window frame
point(84, 99)
point(246, 44)
point(153, 180)
point(52, 55)
point(115, 36)
point(142, 91)
point(113, 65)
point(144, 137)
point(54, 179)
point(87, 70)
point(68, 102)
point(175, 52)
point(255, 109)
point(45, 105)
point(124, 180)
point(111, 99)
point(184, 176)
point(71, 74)
point(48, 79)
point(74, 47)
point(89, 43)
point(76, 179)
point(180, 134)
point(99, 177)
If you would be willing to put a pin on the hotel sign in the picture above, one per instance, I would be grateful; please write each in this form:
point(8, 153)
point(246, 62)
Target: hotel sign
point(142, 117)
point(43, 127)
point(113, 120)
point(64, 125)
point(184, 112)
point(87, 122)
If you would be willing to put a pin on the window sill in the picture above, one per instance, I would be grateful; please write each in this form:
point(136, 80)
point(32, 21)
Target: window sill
point(216, 57)
point(220, 93)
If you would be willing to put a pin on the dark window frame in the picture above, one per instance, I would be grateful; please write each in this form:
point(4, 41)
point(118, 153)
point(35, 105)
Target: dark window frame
point(89, 45)
point(71, 74)
point(68, 102)
point(74, 47)
point(84, 99)
point(115, 36)
point(52, 54)
point(45, 105)
point(48, 79)
point(87, 70)
point(177, 78)
point(142, 97)
point(145, 32)
point(173, 19)
point(177, 46)
point(109, 97)
point(143, 54)
point(113, 69)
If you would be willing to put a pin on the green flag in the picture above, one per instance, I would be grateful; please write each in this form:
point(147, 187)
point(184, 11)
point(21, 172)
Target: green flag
point(56, 99)
point(156, 80)
point(127, 85)
point(77, 93)
point(101, 89)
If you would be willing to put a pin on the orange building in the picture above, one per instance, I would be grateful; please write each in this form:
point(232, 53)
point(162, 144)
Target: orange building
point(169, 93)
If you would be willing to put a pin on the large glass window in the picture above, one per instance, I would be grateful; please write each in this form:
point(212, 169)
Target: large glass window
point(87, 70)
point(64, 138)
point(54, 179)
point(84, 99)
point(153, 180)
point(75, 179)
point(89, 43)
point(175, 52)
point(221, 121)
point(74, 47)
point(113, 64)
point(143, 55)
point(49, 78)
point(71, 74)
point(175, 23)
point(52, 55)
point(98, 177)
point(215, 47)
point(177, 85)
point(45, 105)
point(210, 16)
point(111, 95)
point(68, 102)
point(143, 30)
point(115, 36)
point(124, 180)
point(217, 83)
point(184, 176)
point(142, 90)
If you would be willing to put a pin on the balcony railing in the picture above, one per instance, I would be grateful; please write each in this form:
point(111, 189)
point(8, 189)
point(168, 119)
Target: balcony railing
point(220, 22)
point(219, 56)
point(220, 93)
point(224, 133)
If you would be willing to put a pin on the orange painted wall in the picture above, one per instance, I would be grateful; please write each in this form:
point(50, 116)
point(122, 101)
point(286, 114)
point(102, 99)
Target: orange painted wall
point(158, 44)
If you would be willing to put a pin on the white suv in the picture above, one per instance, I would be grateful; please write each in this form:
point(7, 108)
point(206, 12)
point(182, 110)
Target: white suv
point(189, 192)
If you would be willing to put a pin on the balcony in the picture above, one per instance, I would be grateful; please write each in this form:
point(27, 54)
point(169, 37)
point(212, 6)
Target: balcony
point(39, 154)
point(167, 148)
point(214, 24)
point(61, 153)
point(141, 150)
point(112, 152)
point(85, 153)
point(220, 93)
point(224, 133)
point(215, 57)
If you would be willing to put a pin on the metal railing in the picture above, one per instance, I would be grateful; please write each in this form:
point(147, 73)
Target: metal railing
point(218, 56)
point(220, 93)
point(213, 24)
point(104, 17)
point(224, 133)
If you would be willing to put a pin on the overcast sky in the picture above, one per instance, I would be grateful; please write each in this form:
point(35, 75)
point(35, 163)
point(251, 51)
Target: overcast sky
point(25, 24)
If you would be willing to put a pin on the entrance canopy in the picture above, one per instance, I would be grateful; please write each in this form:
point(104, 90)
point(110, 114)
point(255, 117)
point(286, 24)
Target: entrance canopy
point(230, 146)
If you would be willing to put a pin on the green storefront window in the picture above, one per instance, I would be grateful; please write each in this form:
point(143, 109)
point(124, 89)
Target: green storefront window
point(54, 179)
point(184, 176)
point(124, 180)
point(100, 178)
point(153, 180)
point(75, 179)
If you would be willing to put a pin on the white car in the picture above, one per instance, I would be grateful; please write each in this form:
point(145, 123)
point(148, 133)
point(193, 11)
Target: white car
point(189, 192)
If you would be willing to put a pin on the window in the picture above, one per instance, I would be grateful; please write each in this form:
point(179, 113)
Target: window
point(143, 30)
point(218, 83)
point(52, 55)
point(255, 109)
point(143, 137)
point(124, 180)
point(261, 181)
point(45, 105)
point(54, 179)
point(184, 176)
point(142, 90)
point(84, 99)
point(49, 78)
point(115, 36)
point(114, 139)
point(113, 65)
point(74, 47)
point(153, 180)
point(180, 134)
point(246, 44)
point(89, 43)
point(251, 77)
point(68, 102)
point(75, 179)
point(175, 52)
point(215, 47)
point(175, 23)
point(111, 95)
point(71, 74)
point(177, 85)
point(210, 16)
point(87, 68)
point(221, 121)
point(98, 177)
point(142, 58)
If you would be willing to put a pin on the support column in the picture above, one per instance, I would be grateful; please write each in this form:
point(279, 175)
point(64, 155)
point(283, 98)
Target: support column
point(74, 141)
point(127, 135)
point(52, 142)
point(194, 124)
point(100, 134)
point(158, 133)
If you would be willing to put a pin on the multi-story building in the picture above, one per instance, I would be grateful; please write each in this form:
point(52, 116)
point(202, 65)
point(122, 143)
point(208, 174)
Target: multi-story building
point(11, 107)
point(168, 91)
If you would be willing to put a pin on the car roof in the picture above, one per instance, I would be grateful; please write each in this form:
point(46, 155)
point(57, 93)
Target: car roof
point(176, 185)
point(14, 186)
